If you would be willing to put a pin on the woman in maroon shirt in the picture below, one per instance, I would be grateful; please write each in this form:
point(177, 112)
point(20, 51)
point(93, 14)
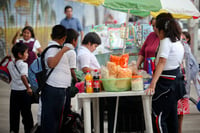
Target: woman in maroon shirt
point(149, 47)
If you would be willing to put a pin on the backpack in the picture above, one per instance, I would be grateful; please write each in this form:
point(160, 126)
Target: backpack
point(72, 123)
point(37, 73)
point(4, 73)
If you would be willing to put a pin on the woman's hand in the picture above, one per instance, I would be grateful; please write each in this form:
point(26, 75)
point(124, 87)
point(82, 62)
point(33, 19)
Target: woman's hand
point(151, 89)
point(156, 75)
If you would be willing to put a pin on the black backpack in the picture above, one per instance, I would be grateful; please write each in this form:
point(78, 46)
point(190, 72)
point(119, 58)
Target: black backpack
point(72, 123)
point(37, 73)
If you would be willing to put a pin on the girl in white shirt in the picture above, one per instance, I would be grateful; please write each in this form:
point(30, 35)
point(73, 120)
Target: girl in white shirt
point(28, 38)
point(71, 42)
point(166, 78)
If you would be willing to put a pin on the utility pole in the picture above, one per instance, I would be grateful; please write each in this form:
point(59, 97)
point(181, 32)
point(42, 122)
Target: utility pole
point(193, 30)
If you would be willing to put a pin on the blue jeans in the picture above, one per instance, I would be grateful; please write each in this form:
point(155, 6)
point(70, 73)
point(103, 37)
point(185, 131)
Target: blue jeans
point(52, 108)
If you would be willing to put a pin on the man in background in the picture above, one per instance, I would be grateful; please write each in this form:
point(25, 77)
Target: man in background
point(70, 22)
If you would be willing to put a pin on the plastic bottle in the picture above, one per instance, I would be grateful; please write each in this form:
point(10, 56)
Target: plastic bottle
point(96, 83)
point(88, 82)
point(153, 64)
point(149, 66)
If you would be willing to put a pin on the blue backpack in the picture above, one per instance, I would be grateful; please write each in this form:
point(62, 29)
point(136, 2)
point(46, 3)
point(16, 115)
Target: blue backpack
point(37, 73)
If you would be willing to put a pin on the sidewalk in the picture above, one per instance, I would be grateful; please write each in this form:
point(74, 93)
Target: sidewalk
point(190, 122)
point(4, 109)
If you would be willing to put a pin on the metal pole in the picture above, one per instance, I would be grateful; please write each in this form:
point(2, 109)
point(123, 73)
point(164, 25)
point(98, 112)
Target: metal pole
point(125, 38)
point(116, 113)
point(193, 30)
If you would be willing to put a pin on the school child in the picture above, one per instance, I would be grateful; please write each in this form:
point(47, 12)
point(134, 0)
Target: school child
point(20, 99)
point(166, 91)
point(53, 93)
point(71, 42)
point(28, 38)
point(191, 73)
point(86, 59)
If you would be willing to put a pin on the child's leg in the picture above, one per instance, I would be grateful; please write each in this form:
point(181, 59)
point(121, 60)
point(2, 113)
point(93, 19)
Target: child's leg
point(27, 118)
point(196, 81)
point(67, 108)
point(39, 112)
point(180, 122)
point(14, 112)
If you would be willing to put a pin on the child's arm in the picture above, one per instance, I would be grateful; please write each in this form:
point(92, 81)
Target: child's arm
point(25, 81)
point(53, 61)
point(15, 37)
point(73, 74)
point(85, 69)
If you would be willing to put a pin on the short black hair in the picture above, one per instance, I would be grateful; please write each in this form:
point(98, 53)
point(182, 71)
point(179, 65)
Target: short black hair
point(71, 34)
point(91, 37)
point(58, 32)
point(19, 48)
point(67, 7)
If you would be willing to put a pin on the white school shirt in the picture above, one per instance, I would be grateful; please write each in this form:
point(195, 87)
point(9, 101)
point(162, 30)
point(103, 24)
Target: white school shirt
point(36, 44)
point(61, 75)
point(71, 55)
point(86, 58)
point(172, 51)
point(16, 82)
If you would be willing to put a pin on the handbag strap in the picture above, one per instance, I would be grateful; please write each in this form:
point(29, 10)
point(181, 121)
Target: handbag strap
point(19, 71)
point(4, 59)
point(42, 59)
point(26, 77)
point(16, 67)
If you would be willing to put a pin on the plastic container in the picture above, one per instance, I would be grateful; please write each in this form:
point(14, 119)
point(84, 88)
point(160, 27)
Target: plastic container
point(137, 83)
point(116, 84)
point(146, 82)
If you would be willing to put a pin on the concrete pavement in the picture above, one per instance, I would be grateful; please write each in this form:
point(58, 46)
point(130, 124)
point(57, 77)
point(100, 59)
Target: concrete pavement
point(4, 109)
point(191, 122)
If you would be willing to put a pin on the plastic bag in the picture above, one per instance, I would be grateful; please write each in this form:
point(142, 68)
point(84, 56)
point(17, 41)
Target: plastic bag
point(124, 61)
point(120, 60)
point(112, 69)
point(115, 59)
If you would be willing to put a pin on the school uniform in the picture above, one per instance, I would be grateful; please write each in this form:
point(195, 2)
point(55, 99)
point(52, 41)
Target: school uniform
point(33, 45)
point(20, 101)
point(164, 101)
point(86, 58)
point(71, 55)
point(53, 94)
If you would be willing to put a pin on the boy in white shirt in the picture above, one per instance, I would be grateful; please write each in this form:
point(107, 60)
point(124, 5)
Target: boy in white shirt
point(20, 100)
point(53, 93)
point(86, 59)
